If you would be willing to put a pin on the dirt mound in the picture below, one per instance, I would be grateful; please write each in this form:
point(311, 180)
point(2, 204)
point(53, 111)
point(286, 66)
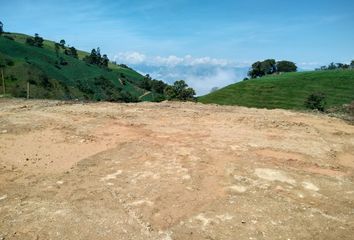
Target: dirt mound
point(172, 171)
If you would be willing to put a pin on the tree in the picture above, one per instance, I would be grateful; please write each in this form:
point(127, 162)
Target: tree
point(352, 64)
point(73, 52)
point(259, 69)
point(1, 27)
point(145, 83)
point(96, 58)
point(286, 66)
point(186, 94)
point(268, 66)
point(340, 65)
point(38, 40)
point(158, 86)
point(62, 43)
point(98, 54)
point(332, 66)
point(179, 91)
point(92, 58)
point(170, 92)
point(316, 101)
point(256, 70)
point(104, 60)
point(179, 86)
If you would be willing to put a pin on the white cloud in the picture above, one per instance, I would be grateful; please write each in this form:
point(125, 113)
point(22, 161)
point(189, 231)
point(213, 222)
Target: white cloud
point(201, 78)
point(130, 58)
point(188, 60)
point(218, 78)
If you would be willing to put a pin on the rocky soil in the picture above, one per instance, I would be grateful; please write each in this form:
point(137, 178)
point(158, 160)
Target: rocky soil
point(172, 171)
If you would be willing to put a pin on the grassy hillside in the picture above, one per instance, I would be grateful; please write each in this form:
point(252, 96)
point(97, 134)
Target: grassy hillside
point(288, 90)
point(64, 77)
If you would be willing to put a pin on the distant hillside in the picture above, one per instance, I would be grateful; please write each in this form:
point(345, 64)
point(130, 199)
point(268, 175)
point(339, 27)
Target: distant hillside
point(288, 90)
point(59, 76)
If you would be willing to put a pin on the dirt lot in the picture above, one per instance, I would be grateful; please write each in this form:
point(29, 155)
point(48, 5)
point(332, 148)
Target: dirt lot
point(172, 171)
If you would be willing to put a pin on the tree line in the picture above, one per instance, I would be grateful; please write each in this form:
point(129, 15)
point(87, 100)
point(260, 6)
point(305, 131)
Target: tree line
point(335, 66)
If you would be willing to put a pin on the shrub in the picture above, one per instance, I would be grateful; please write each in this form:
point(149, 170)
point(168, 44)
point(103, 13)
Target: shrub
point(316, 101)
point(37, 41)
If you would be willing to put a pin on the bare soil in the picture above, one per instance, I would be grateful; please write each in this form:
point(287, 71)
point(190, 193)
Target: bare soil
point(172, 171)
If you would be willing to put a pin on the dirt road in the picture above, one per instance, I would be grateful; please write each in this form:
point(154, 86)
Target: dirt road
point(172, 171)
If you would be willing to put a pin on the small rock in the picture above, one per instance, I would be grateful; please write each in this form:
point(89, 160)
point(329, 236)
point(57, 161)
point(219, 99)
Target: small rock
point(4, 131)
point(3, 197)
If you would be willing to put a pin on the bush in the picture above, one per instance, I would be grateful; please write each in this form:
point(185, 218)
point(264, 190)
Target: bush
point(159, 98)
point(316, 101)
point(84, 87)
point(37, 41)
point(127, 97)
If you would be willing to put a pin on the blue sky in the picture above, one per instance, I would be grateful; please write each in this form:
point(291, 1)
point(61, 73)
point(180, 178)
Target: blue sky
point(184, 35)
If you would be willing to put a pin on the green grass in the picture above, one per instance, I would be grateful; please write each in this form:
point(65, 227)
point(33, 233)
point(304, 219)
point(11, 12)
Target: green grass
point(34, 63)
point(287, 91)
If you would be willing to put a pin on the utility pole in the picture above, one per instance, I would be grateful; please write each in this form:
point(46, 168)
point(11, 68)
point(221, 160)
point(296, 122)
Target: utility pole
point(28, 90)
point(3, 81)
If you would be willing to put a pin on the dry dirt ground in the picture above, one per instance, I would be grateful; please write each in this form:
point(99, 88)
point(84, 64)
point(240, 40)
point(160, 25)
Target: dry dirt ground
point(172, 171)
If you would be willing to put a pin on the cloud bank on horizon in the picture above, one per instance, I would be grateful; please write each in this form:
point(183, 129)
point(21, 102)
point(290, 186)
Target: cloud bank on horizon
point(201, 73)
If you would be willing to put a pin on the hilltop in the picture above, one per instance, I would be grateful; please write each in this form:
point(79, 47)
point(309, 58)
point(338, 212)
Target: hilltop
point(55, 75)
point(287, 90)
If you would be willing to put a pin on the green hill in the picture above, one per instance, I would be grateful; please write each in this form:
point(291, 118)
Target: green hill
point(59, 76)
point(288, 90)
